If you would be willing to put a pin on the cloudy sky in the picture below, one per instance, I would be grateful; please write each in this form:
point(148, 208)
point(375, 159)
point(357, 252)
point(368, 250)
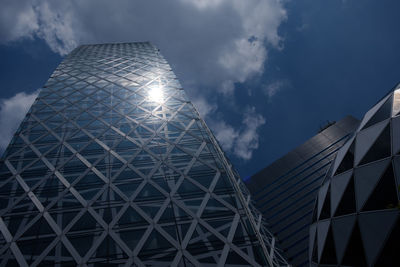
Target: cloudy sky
point(265, 74)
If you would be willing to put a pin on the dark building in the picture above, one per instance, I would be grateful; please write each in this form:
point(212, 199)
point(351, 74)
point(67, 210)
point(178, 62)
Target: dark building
point(285, 191)
point(356, 216)
point(112, 166)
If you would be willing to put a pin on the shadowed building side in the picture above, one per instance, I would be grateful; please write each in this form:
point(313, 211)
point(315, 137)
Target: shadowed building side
point(285, 191)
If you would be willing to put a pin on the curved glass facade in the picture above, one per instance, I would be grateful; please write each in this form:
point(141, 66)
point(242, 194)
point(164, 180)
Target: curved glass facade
point(112, 166)
point(356, 216)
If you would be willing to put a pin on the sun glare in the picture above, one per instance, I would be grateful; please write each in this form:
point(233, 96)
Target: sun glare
point(156, 94)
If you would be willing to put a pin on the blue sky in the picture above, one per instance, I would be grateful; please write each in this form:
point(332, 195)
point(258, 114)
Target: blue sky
point(264, 74)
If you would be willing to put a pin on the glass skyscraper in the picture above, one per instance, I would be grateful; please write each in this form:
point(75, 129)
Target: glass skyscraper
point(112, 166)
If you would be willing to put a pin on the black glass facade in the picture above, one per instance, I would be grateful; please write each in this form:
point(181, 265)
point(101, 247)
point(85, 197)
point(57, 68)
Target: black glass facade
point(356, 216)
point(112, 166)
point(285, 191)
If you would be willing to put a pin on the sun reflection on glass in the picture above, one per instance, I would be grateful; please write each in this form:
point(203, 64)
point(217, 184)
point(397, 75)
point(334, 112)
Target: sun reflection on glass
point(156, 94)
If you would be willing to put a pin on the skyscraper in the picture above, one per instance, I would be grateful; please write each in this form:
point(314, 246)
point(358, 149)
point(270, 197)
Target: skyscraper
point(356, 216)
point(113, 166)
point(285, 191)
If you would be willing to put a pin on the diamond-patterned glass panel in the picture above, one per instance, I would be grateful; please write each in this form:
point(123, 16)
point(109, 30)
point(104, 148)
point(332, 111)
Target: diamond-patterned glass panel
point(113, 166)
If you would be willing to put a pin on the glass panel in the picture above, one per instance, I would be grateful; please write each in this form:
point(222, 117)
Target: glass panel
point(383, 113)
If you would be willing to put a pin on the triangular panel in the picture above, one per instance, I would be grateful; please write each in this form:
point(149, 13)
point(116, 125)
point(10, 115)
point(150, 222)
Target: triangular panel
point(366, 178)
point(385, 192)
point(342, 228)
point(347, 202)
point(366, 138)
point(389, 255)
point(347, 162)
point(326, 208)
point(354, 253)
point(375, 226)
point(372, 111)
point(322, 230)
point(321, 197)
point(383, 113)
point(396, 165)
point(329, 252)
point(348, 147)
point(338, 185)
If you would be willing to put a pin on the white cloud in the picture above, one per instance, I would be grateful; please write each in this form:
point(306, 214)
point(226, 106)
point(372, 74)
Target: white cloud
point(28, 19)
point(243, 141)
point(210, 44)
point(203, 106)
point(17, 21)
point(225, 134)
point(227, 87)
point(203, 4)
point(273, 88)
point(243, 58)
point(240, 141)
point(12, 112)
point(261, 19)
point(206, 41)
point(56, 27)
point(245, 55)
point(248, 137)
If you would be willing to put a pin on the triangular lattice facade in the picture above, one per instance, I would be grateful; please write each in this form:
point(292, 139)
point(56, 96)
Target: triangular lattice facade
point(113, 166)
point(356, 217)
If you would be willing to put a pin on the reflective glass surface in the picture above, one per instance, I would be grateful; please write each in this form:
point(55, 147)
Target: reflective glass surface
point(113, 166)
